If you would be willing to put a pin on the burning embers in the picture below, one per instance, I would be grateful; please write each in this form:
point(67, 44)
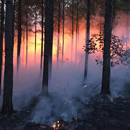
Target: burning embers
point(84, 86)
point(58, 125)
point(43, 126)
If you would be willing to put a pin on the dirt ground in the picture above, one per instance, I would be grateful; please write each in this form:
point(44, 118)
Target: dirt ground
point(99, 114)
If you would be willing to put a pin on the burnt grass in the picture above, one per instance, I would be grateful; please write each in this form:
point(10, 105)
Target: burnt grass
point(99, 114)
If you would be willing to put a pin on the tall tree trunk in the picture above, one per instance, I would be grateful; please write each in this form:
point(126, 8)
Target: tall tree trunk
point(48, 43)
point(42, 24)
point(7, 106)
point(19, 26)
point(63, 29)
point(77, 25)
point(127, 33)
point(113, 23)
point(59, 2)
point(42, 32)
point(87, 39)
point(35, 28)
point(106, 55)
point(51, 42)
point(100, 22)
point(19, 33)
point(1, 40)
point(26, 37)
point(72, 29)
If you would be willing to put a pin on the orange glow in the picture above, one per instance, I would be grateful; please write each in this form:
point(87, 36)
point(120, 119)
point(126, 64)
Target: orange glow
point(29, 53)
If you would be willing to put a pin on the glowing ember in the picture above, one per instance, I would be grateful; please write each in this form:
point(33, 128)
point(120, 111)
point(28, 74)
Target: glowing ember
point(54, 126)
point(85, 86)
point(76, 119)
point(117, 96)
point(42, 126)
point(58, 125)
point(65, 103)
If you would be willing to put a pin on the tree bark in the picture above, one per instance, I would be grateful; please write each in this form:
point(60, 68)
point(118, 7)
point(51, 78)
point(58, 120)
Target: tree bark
point(19, 26)
point(77, 25)
point(7, 106)
point(48, 43)
point(72, 29)
point(14, 21)
point(63, 29)
point(127, 33)
point(35, 28)
point(59, 2)
point(87, 39)
point(106, 55)
point(42, 32)
point(26, 37)
point(1, 40)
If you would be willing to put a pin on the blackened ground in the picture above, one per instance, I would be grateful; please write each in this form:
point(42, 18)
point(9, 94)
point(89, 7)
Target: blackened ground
point(99, 114)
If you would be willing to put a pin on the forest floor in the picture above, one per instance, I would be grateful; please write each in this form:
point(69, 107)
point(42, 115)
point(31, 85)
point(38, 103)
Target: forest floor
point(99, 114)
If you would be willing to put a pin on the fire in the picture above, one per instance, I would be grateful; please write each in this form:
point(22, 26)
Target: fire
point(58, 124)
point(54, 126)
point(85, 86)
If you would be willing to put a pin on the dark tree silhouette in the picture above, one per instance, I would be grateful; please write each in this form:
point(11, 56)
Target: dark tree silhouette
point(58, 44)
point(1, 40)
point(14, 20)
point(42, 27)
point(35, 27)
point(77, 28)
point(48, 43)
point(19, 32)
point(42, 24)
point(127, 29)
point(63, 30)
point(72, 29)
point(26, 35)
point(7, 106)
point(19, 25)
point(87, 38)
point(106, 54)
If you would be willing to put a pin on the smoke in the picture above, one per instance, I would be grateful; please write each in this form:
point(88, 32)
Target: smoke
point(69, 94)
